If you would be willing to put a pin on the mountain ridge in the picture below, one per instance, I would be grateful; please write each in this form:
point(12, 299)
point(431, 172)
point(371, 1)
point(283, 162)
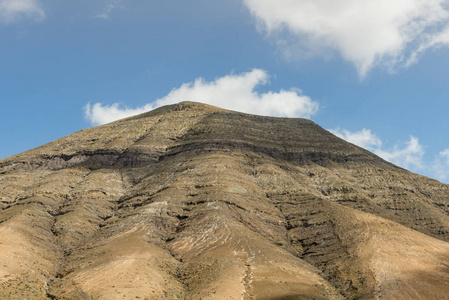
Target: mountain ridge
point(169, 108)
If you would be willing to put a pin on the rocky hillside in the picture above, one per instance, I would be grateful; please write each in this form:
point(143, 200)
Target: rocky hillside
point(190, 201)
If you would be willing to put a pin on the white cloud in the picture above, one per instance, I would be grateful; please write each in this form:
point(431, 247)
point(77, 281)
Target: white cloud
point(363, 138)
point(365, 32)
point(409, 156)
point(16, 10)
point(445, 155)
point(441, 165)
point(110, 6)
point(99, 114)
point(235, 92)
point(433, 41)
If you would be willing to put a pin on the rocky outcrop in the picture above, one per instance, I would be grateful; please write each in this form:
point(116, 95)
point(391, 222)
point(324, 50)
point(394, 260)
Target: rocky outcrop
point(191, 201)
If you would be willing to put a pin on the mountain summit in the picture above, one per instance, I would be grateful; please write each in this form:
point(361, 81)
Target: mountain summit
point(190, 201)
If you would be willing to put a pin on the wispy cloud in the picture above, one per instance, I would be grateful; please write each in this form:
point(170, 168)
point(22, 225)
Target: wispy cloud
point(445, 156)
point(409, 155)
point(363, 138)
point(99, 114)
point(235, 92)
point(441, 165)
point(109, 7)
point(367, 33)
point(16, 10)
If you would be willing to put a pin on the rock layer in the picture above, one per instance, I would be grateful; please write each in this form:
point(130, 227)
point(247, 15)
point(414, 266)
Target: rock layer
point(190, 201)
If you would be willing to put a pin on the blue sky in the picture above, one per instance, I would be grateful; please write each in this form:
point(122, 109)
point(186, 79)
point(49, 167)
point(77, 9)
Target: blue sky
point(374, 72)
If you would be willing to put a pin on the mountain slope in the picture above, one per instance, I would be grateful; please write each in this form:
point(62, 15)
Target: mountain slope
point(190, 201)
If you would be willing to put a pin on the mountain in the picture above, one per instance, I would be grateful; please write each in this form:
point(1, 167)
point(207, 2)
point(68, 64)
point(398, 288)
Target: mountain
point(191, 201)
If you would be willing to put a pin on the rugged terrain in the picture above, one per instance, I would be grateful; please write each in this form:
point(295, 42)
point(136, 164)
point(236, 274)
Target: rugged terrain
point(190, 201)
